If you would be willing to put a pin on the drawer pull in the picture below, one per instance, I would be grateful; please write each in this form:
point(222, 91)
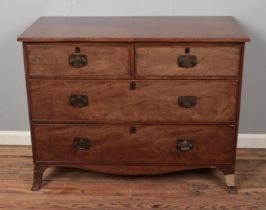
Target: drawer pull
point(187, 101)
point(133, 86)
point(187, 60)
point(79, 100)
point(81, 143)
point(184, 144)
point(78, 60)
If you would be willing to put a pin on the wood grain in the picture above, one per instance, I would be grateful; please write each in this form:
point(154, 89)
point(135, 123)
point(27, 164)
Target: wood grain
point(211, 61)
point(151, 101)
point(103, 60)
point(135, 29)
point(77, 189)
point(149, 145)
point(144, 50)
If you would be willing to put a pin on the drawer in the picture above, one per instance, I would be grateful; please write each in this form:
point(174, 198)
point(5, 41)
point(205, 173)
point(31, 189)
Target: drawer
point(162, 101)
point(114, 144)
point(78, 60)
point(170, 61)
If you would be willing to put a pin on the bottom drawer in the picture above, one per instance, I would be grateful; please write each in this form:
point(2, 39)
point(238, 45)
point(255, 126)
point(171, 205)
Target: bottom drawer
point(148, 144)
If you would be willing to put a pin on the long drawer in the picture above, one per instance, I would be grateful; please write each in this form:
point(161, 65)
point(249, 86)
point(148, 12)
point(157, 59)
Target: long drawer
point(171, 101)
point(78, 60)
point(187, 61)
point(115, 144)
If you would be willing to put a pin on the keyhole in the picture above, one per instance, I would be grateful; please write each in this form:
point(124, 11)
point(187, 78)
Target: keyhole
point(133, 129)
point(133, 86)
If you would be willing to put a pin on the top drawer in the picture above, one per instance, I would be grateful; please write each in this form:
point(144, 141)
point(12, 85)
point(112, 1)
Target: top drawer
point(171, 61)
point(78, 60)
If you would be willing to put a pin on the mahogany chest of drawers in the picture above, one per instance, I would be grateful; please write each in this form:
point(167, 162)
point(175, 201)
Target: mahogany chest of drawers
point(134, 95)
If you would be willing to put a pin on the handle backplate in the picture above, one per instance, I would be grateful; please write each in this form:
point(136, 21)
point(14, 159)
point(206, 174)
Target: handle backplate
point(81, 143)
point(79, 100)
point(78, 60)
point(187, 61)
point(187, 101)
point(184, 144)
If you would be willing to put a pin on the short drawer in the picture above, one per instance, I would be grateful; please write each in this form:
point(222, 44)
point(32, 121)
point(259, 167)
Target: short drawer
point(78, 60)
point(162, 101)
point(115, 144)
point(171, 61)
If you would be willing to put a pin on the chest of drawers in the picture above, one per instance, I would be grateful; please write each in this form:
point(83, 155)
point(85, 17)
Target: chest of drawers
point(134, 95)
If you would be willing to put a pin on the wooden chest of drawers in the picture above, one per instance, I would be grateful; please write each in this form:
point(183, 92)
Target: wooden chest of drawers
point(142, 95)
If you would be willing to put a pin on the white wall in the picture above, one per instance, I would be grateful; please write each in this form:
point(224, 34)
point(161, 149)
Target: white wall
point(17, 15)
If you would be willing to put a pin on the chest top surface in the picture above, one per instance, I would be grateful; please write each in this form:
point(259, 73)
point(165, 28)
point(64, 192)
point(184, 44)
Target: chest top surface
point(135, 29)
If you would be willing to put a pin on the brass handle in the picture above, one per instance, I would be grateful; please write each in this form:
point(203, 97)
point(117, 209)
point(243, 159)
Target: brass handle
point(187, 101)
point(81, 143)
point(187, 60)
point(78, 60)
point(79, 100)
point(184, 144)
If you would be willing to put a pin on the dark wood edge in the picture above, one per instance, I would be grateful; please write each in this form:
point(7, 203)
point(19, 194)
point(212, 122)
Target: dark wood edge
point(137, 124)
point(104, 122)
point(210, 77)
point(132, 39)
point(141, 80)
point(87, 44)
point(241, 65)
point(143, 44)
point(189, 164)
point(132, 76)
point(26, 67)
point(169, 45)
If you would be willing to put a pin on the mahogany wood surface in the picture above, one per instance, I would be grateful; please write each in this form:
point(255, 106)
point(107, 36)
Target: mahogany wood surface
point(151, 101)
point(211, 60)
point(135, 29)
point(132, 80)
point(114, 145)
point(103, 60)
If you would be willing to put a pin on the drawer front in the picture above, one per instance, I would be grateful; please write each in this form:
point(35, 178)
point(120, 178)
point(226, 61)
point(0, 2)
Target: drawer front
point(78, 60)
point(162, 101)
point(193, 61)
point(114, 144)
